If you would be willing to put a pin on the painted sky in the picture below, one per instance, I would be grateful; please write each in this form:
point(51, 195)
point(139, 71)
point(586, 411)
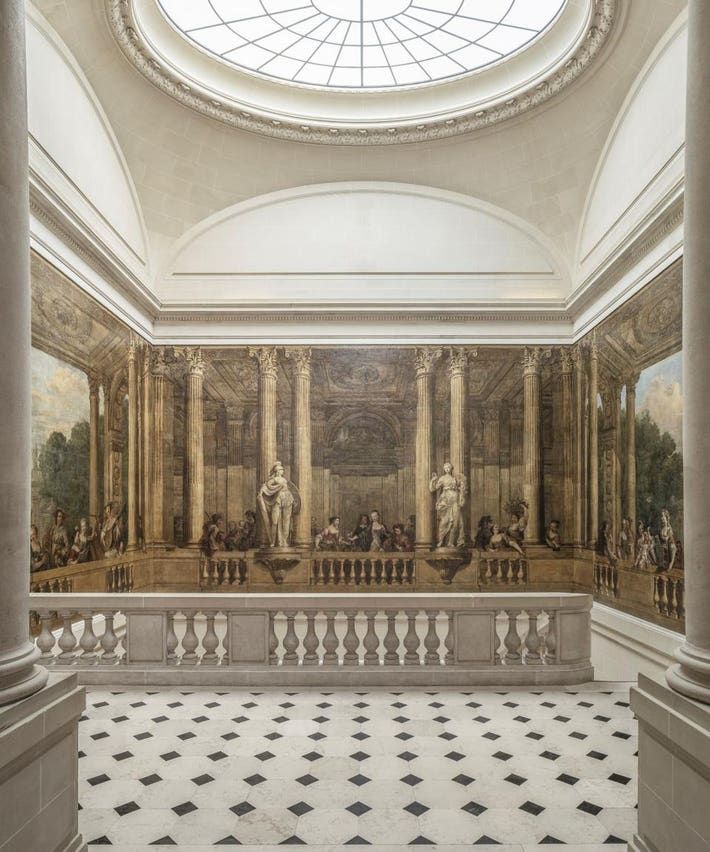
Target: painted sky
point(660, 392)
point(60, 397)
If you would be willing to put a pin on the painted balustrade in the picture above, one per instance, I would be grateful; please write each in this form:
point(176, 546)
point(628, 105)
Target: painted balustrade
point(606, 579)
point(510, 571)
point(363, 569)
point(669, 594)
point(329, 639)
point(222, 570)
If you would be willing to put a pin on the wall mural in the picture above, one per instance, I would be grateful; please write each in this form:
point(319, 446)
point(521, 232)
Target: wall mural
point(542, 466)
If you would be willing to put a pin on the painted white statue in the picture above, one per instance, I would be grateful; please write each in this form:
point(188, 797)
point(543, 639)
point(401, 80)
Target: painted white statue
point(278, 501)
point(451, 498)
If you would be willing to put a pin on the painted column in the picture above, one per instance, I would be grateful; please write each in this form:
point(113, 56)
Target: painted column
point(194, 483)
point(579, 442)
point(94, 507)
point(618, 455)
point(568, 422)
point(458, 364)
point(516, 451)
point(532, 442)
point(424, 364)
point(593, 463)
point(19, 676)
point(235, 465)
point(267, 360)
point(302, 472)
point(631, 453)
point(147, 436)
point(162, 390)
point(209, 448)
point(132, 489)
point(108, 416)
point(491, 459)
point(691, 676)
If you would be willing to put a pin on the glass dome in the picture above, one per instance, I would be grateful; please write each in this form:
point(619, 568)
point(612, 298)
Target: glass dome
point(361, 44)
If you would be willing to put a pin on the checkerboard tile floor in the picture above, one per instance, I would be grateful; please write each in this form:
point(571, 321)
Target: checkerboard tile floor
point(334, 768)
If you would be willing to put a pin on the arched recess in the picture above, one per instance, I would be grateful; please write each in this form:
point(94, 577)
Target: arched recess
point(640, 172)
point(369, 243)
point(77, 167)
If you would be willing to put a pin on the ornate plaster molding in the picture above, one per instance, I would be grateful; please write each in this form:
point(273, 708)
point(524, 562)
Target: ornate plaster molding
point(140, 53)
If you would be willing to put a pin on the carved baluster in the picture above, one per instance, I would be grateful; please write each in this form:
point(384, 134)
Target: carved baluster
point(242, 571)
point(131, 577)
point(348, 572)
point(225, 661)
point(338, 571)
point(498, 650)
point(351, 642)
point(310, 641)
point(512, 639)
point(290, 657)
point(210, 642)
point(391, 640)
point(326, 571)
point(109, 581)
point(411, 640)
point(431, 640)
point(368, 572)
point(189, 641)
point(315, 571)
point(523, 570)
point(89, 640)
point(378, 571)
point(411, 571)
point(532, 640)
point(663, 596)
point(450, 641)
point(399, 571)
point(67, 641)
point(171, 641)
point(551, 639)
point(273, 640)
point(357, 572)
point(371, 640)
point(109, 640)
point(46, 640)
point(330, 640)
point(389, 571)
point(656, 594)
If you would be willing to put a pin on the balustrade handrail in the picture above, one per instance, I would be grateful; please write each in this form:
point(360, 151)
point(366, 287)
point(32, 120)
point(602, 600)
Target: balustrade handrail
point(74, 569)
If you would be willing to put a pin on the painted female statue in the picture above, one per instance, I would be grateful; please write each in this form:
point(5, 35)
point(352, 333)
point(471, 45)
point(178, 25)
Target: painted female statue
point(451, 498)
point(278, 501)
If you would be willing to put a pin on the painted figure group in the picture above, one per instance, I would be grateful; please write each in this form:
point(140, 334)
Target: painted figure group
point(492, 536)
point(649, 551)
point(60, 546)
point(370, 535)
point(240, 535)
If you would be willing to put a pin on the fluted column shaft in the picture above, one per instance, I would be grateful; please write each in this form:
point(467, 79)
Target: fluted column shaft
point(631, 453)
point(593, 465)
point(579, 466)
point(425, 362)
point(692, 675)
point(235, 466)
point(302, 472)
point(194, 483)
point(132, 490)
point(19, 676)
point(532, 442)
point(567, 366)
point(108, 415)
point(458, 364)
point(267, 360)
point(94, 508)
point(147, 436)
point(162, 389)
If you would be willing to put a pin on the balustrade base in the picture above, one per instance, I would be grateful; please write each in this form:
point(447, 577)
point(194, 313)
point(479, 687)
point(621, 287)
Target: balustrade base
point(332, 676)
point(38, 748)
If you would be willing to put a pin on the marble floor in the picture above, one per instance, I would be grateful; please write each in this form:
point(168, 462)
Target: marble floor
point(331, 769)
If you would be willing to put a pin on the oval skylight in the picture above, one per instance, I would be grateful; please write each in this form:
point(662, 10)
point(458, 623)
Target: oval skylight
point(361, 44)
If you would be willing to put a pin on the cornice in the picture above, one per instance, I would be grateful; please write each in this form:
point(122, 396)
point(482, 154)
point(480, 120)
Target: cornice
point(140, 53)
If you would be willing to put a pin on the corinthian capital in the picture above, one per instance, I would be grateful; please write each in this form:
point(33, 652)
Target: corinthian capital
point(532, 360)
point(267, 359)
point(630, 380)
point(195, 361)
point(134, 346)
point(458, 360)
point(94, 382)
point(158, 362)
point(301, 357)
point(567, 359)
point(425, 358)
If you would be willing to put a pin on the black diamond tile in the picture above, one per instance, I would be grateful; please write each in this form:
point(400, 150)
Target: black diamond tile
point(474, 808)
point(612, 838)
point(325, 704)
point(253, 780)
point(312, 756)
point(563, 719)
point(485, 840)
point(164, 841)
point(123, 755)
point(359, 780)
point(521, 719)
point(134, 704)
point(98, 779)
point(249, 705)
point(306, 780)
point(202, 780)
point(621, 735)
point(212, 704)
point(231, 735)
point(416, 808)
point(119, 719)
point(532, 808)
point(317, 736)
point(81, 754)
point(146, 735)
point(567, 779)
point(398, 705)
point(481, 719)
point(100, 736)
point(217, 755)
point(533, 735)
point(188, 735)
point(516, 779)
point(300, 808)
point(174, 704)
point(273, 736)
point(597, 755)
point(584, 704)
point(321, 719)
point(436, 704)
point(105, 704)
point(619, 779)
point(281, 719)
point(242, 808)
point(170, 755)
point(358, 808)
point(357, 841)
point(359, 755)
point(455, 755)
point(361, 719)
point(240, 719)
point(201, 719)
point(410, 779)
point(361, 735)
point(447, 736)
point(547, 704)
point(548, 839)
point(404, 736)
point(185, 808)
point(285, 705)
point(229, 840)
point(464, 780)
point(264, 755)
point(421, 841)
point(622, 704)
point(473, 704)
point(577, 735)
point(603, 718)
point(589, 808)
point(101, 841)
point(293, 840)
point(150, 779)
point(126, 808)
point(549, 755)
point(159, 719)
point(360, 705)
point(502, 755)
point(510, 704)
point(489, 735)
point(407, 755)
point(401, 719)
point(442, 719)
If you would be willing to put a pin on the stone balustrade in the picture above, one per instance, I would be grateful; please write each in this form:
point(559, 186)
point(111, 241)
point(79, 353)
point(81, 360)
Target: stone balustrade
point(669, 594)
point(502, 571)
point(222, 570)
point(606, 579)
point(363, 569)
point(326, 640)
